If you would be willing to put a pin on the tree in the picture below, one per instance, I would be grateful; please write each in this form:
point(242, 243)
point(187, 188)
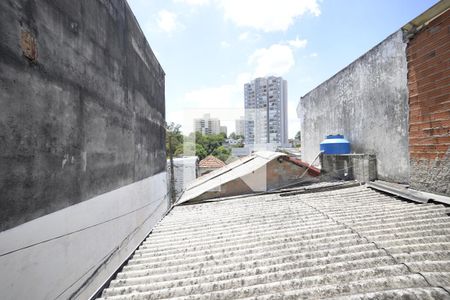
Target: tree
point(193, 149)
point(174, 139)
point(200, 152)
point(222, 153)
point(297, 139)
point(209, 142)
point(173, 135)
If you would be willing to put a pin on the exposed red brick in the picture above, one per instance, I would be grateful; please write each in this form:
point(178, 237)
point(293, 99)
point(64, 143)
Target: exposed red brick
point(428, 58)
point(415, 140)
point(441, 115)
point(423, 148)
point(426, 155)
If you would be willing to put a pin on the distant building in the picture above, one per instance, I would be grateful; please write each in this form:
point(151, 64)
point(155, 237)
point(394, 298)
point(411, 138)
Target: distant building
point(241, 152)
point(240, 126)
point(223, 129)
point(266, 111)
point(234, 142)
point(207, 125)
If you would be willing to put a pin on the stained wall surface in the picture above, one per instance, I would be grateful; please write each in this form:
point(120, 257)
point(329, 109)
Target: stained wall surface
point(82, 105)
point(367, 102)
point(82, 152)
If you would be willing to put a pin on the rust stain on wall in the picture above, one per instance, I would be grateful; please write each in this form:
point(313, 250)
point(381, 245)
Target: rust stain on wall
point(28, 45)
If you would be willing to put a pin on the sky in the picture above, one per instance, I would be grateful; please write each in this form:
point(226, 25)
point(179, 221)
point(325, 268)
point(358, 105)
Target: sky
point(210, 48)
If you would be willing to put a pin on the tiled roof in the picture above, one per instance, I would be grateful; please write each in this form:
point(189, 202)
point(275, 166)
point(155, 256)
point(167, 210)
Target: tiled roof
point(211, 162)
point(353, 243)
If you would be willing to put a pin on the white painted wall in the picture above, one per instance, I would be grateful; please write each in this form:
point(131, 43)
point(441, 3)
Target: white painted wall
point(56, 269)
point(185, 171)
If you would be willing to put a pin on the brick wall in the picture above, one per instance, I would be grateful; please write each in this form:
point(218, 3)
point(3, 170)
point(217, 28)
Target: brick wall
point(428, 55)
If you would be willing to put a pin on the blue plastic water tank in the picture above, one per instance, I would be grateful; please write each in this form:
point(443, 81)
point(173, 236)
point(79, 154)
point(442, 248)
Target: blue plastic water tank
point(335, 144)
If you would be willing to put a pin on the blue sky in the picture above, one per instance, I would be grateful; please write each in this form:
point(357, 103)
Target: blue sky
point(210, 48)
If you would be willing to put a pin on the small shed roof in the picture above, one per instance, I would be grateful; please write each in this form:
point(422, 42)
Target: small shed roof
point(211, 162)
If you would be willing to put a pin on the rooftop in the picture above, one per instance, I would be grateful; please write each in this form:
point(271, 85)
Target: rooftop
point(211, 162)
point(351, 242)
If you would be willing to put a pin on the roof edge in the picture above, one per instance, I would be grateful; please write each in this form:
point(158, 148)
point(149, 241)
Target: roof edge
point(415, 25)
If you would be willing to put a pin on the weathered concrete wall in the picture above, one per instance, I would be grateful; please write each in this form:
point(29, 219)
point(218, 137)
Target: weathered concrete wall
point(429, 102)
point(185, 171)
point(82, 152)
point(368, 103)
point(82, 105)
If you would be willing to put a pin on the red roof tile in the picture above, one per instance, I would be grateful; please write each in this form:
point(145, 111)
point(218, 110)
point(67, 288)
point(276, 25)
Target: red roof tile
point(211, 162)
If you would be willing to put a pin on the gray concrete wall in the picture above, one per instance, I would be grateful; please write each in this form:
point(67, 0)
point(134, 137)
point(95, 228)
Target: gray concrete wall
point(82, 152)
point(82, 105)
point(368, 103)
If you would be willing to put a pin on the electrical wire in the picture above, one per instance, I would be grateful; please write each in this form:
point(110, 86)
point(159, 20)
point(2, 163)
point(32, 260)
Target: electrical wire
point(81, 229)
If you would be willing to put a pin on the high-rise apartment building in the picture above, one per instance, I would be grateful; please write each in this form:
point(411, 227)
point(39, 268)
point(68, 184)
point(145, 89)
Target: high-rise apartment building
point(240, 126)
point(266, 111)
point(223, 129)
point(207, 125)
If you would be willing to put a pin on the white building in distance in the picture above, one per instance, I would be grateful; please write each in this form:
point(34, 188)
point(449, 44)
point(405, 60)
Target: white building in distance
point(240, 126)
point(223, 129)
point(266, 111)
point(208, 125)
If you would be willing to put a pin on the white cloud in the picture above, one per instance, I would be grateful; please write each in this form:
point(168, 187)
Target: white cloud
point(243, 78)
point(276, 60)
point(192, 2)
point(210, 97)
point(167, 21)
point(243, 36)
point(297, 43)
point(248, 36)
point(267, 15)
point(314, 54)
point(224, 44)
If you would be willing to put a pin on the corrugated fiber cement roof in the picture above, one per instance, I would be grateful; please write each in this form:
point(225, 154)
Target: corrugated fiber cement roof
point(352, 243)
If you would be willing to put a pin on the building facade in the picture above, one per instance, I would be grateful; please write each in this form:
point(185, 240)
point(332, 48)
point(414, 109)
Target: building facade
point(223, 129)
point(207, 125)
point(266, 111)
point(240, 126)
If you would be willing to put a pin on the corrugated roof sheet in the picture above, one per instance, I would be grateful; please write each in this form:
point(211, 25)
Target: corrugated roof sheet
point(352, 243)
point(211, 162)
